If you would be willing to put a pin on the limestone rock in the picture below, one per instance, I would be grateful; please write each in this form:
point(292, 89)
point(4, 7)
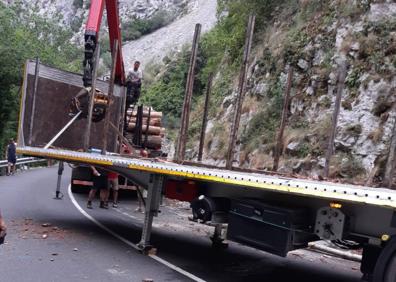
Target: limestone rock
point(260, 89)
point(303, 64)
point(382, 11)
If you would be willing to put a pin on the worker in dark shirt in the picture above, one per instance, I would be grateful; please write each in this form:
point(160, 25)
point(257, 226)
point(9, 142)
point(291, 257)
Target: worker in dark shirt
point(99, 178)
point(11, 157)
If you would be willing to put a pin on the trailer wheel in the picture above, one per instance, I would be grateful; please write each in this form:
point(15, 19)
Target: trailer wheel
point(390, 272)
point(385, 268)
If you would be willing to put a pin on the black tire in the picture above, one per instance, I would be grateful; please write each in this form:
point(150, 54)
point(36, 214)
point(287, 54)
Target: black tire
point(385, 268)
point(390, 272)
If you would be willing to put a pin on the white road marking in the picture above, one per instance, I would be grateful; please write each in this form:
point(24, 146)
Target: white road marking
point(129, 243)
point(126, 214)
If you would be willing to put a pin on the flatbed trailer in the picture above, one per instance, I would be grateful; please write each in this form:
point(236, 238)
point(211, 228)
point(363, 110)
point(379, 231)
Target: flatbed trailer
point(316, 209)
point(273, 213)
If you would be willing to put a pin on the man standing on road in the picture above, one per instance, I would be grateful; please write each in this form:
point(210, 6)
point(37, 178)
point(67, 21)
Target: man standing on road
point(99, 183)
point(11, 157)
point(113, 184)
point(3, 229)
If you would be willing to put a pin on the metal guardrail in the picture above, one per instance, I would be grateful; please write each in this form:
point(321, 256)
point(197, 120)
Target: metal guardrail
point(22, 161)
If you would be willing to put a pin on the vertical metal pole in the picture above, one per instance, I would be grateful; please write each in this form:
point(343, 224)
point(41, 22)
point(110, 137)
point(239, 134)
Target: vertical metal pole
point(36, 78)
point(241, 93)
point(58, 183)
point(122, 118)
point(286, 101)
point(91, 100)
point(182, 139)
point(340, 87)
point(205, 117)
point(390, 163)
point(52, 141)
point(110, 97)
point(152, 206)
point(147, 128)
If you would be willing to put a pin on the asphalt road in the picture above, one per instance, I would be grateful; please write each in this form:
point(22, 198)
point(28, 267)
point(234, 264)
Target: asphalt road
point(73, 248)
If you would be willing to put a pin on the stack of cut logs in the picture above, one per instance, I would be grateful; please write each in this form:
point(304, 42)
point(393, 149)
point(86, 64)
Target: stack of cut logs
point(152, 130)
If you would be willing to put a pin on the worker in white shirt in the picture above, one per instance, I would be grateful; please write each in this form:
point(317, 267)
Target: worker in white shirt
point(134, 83)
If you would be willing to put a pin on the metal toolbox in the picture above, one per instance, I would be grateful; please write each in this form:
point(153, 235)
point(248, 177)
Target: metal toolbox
point(271, 228)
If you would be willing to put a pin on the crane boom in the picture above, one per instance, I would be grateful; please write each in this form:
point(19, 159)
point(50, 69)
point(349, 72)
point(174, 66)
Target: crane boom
point(91, 38)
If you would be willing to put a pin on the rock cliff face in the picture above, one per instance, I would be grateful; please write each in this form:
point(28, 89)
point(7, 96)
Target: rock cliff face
point(181, 16)
point(146, 8)
point(314, 39)
point(128, 8)
point(73, 13)
point(155, 46)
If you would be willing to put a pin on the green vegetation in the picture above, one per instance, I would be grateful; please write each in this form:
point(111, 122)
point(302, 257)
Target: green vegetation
point(263, 126)
point(383, 104)
point(220, 51)
point(167, 93)
point(136, 28)
point(354, 129)
point(303, 150)
point(347, 166)
point(352, 80)
point(297, 39)
point(25, 37)
point(286, 31)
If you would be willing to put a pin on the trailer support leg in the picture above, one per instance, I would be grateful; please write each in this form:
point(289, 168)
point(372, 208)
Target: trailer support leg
point(58, 194)
point(152, 206)
point(218, 238)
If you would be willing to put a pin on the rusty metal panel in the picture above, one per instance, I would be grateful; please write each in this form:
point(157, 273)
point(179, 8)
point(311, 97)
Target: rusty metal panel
point(55, 90)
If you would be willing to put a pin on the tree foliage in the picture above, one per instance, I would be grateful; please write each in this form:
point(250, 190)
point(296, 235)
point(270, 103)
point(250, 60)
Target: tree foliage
point(222, 46)
point(136, 28)
point(25, 35)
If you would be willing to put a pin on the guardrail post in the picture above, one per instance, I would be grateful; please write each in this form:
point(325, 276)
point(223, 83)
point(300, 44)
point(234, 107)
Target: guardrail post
point(152, 206)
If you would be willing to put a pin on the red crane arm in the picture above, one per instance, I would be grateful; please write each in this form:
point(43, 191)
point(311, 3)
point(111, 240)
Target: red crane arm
point(113, 21)
point(92, 35)
point(94, 18)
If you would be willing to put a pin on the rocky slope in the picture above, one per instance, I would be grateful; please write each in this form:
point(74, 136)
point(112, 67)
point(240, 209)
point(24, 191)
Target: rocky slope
point(313, 38)
point(153, 47)
point(73, 13)
point(150, 48)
